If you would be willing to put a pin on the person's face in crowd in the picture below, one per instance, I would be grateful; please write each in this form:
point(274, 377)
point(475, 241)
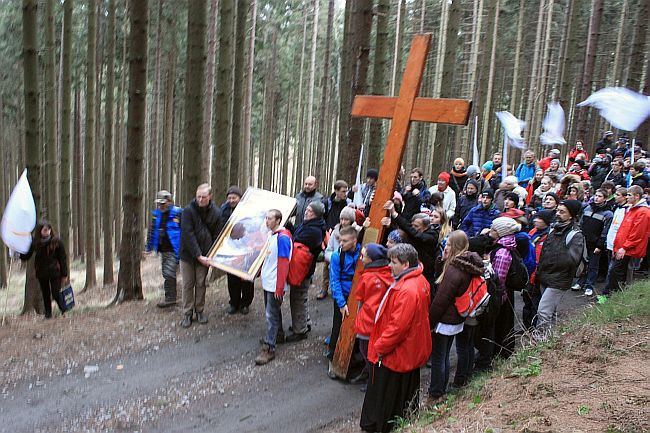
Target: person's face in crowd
point(573, 192)
point(471, 189)
point(345, 222)
point(508, 204)
point(627, 164)
point(396, 267)
point(599, 198)
point(402, 172)
point(633, 198)
point(271, 221)
point(446, 251)
point(581, 157)
point(493, 234)
point(203, 197)
point(435, 217)
point(46, 231)
point(545, 184)
point(418, 225)
point(348, 243)
point(562, 214)
point(442, 184)
point(554, 166)
point(415, 179)
point(509, 170)
point(364, 257)
point(459, 166)
point(341, 193)
point(370, 181)
point(575, 167)
point(309, 185)
point(486, 201)
point(549, 203)
point(539, 224)
point(617, 166)
point(539, 175)
point(620, 198)
point(496, 159)
point(233, 200)
point(579, 145)
point(309, 214)
point(529, 157)
point(164, 205)
point(633, 171)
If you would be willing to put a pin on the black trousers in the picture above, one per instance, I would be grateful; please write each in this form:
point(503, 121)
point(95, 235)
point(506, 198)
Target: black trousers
point(337, 319)
point(618, 275)
point(51, 289)
point(389, 395)
point(241, 291)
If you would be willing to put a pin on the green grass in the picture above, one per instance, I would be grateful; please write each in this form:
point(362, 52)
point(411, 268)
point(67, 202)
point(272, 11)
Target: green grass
point(631, 302)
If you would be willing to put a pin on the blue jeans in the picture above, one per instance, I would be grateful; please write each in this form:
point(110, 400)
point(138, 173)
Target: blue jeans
point(440, 348)
point(592, 268)
point(465, 354)
point(273, 309)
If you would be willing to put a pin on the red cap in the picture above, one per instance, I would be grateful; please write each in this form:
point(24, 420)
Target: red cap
point(444, 176)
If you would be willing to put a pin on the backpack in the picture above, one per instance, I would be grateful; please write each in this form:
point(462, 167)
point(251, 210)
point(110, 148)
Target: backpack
point(517, 277)
point(494, 290)
point(475, 300)
point(301, 260)
point(584, 259)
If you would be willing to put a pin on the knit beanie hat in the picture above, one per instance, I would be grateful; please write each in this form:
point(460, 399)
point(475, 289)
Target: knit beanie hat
point(573, 206)
point(556, 161)
point(581, 163)
point(505, 226)
point(472, 170)
point(395, 237)
point(444, 176)
point(488, 193)
point(372, 173)
point(347, 213)
point(318, 208)
point(473, 182)
point(234, 190)
point(376, 251)
point(546, 216)
point(488, 165)
point(554, 195)
point(512, 180)
point(514, 197)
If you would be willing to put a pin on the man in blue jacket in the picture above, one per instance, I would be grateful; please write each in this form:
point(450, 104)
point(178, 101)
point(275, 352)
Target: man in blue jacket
point(164, 237)
point(481, 216)
point(526, 170)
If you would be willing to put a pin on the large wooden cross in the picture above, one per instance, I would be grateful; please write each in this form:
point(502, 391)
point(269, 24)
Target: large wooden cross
point(403, 109)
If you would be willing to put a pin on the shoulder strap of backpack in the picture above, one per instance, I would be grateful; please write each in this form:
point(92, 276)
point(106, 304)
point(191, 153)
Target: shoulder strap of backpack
point(570, 236)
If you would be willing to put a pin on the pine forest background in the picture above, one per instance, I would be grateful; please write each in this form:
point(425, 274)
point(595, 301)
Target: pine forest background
point(108, 101)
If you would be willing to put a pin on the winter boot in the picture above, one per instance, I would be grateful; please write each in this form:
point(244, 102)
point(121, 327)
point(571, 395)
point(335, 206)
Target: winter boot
point(267, 354)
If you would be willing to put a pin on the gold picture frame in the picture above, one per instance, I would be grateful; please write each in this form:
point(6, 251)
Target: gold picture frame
point(242, 245)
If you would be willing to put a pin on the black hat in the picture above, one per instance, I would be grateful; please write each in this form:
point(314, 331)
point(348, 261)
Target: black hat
point(546, 216)
point(488, 193)
point(372, 173)
point(555, 197)
point(234, 190)
point(581, 163)
point(514, 197)
point(573, 206)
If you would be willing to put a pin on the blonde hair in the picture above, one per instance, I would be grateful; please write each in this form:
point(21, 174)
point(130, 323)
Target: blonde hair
point(445, 226)
point(458, 244)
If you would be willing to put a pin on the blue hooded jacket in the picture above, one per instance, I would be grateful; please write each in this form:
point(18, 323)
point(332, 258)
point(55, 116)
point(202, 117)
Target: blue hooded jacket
point(173, 229)
point(478, 219)
point(341, 279)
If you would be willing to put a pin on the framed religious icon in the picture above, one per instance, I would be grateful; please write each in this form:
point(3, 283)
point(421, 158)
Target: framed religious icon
point(242, 245)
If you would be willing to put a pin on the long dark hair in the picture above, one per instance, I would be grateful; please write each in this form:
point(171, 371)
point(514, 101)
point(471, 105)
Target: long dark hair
point(54, 240)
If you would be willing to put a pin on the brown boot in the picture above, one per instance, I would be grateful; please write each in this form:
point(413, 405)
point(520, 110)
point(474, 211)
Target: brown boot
point(266, 355)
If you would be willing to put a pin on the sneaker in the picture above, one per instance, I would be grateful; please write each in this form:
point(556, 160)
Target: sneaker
point(186, 322)
point(266, 355)
point(576, 287)
point(231, 309)
point(165, 304)
point(201, 318)
point(589, 291)
point(244, 310)
point(295, 337)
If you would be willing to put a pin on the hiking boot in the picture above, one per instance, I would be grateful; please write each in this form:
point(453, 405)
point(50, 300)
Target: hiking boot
point(231, 309)
point(165, 304)
point(201, 318)
point(589, 291)
point(295, 337)
point(244, 310)
point(186, 322)
point(362, 378)
point(266, 355)
point(280, 339)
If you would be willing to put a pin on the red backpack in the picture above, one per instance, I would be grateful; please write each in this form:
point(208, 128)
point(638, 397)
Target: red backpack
point(301, 259)
point(475, 299)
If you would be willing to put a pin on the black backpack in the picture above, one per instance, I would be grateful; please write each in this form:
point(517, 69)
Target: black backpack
point(517, 277)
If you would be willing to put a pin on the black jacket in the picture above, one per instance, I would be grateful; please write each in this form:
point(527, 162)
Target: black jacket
point(558, 264)
point(50, 260)
point(200, 227)
point(595, 225)
point(425, 243)
point(333, 210)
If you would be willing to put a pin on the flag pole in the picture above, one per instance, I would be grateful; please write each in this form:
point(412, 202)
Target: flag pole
point(4, 311)
point(629, 182)
point(475, 157)
point(504, 157)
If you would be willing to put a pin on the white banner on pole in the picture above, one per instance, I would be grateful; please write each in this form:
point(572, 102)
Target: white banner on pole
point(19, 217)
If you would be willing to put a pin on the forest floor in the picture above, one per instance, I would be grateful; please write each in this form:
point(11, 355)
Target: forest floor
point(132, 368)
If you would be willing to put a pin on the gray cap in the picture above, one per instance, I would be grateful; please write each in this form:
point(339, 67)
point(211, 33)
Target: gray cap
point(163, 196)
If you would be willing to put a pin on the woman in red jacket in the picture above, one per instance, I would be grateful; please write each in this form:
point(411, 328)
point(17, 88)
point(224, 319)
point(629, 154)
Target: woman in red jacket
point(400, 344)
point(459, 267)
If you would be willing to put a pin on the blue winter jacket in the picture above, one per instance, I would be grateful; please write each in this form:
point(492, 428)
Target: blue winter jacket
point(525, 173)
point(173, 229)
point(478, 219)
point(341, 279)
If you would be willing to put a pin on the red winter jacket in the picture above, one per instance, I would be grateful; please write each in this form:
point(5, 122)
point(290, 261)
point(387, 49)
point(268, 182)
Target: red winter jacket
point(401, 336)
point(634, 231)
point(372, 285)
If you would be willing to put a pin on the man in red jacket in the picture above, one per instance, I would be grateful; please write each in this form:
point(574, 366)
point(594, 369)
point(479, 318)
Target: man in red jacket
point(631, 239)
point(400, 343)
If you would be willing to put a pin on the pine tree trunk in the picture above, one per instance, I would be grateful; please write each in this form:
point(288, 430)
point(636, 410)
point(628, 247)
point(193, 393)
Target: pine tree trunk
point(484, 90)
point(192, 175)
point(108, 146)
point(77, 181)
point(643, 133)
point(238, 95)
point(120, 137)
point(154, 134)
point(50, 183)
point(129, 282)
point(223, 101)
point(516, 69)
point(168, 131)
point(614, 79)
point(379, 85)
point(361, 24)
point(324, 85)
point(266, 139)
point(299, 148)
point(639, 50)
point(5, 165)
point(533, 89)
point(96, 170)
point(66, 92)
point(310, 88)
point(246, 156)
point(208, 101)
point(89, 150)
point(345, 88)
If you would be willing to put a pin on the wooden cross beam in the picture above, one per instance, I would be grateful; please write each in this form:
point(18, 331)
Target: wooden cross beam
point(403, 109)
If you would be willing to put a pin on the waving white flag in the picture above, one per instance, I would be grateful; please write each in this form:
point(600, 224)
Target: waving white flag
point(623, 108)
point(553, 125)
point(358, 198)
point(19, 217)
point(512, 128)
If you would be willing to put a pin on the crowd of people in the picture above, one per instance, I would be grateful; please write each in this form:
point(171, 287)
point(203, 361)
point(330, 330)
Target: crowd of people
point(544, 229)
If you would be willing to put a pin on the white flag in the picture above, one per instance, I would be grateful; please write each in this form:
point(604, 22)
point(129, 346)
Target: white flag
point(358, 198)
point(19, 217)
point(512, 128)
point(623, 108)
point(553, 125)
point(475, 157)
